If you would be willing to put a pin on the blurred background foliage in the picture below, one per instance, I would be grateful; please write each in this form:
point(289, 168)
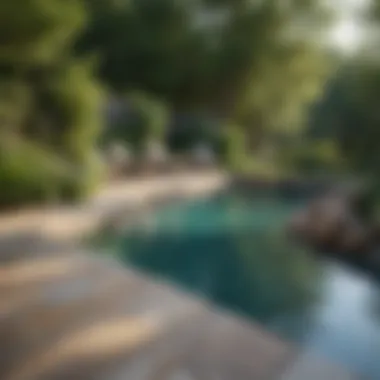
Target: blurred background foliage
point(143, 119)
point(49, 104)
point(253, 80)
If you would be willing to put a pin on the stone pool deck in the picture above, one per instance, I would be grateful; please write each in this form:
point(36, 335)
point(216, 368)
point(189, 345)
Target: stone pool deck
point(70, 314)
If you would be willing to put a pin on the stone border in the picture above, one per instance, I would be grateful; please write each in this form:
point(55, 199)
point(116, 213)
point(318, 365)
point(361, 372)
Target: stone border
point(112, 202)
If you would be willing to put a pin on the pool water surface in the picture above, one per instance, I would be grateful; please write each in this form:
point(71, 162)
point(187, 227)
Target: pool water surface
point(232, 250)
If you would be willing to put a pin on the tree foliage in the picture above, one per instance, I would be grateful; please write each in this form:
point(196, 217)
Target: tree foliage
point(357, 119)
point(142, 121)
point(37, 31)
point(49, 103)
point(233, 58)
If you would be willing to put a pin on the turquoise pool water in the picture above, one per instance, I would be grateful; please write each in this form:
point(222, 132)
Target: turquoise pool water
point(232, 251)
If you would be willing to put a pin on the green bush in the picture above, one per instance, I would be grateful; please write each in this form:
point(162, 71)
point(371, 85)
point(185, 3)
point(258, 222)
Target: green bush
point(76, 100)
point(71, 99)
point(50, 105)
point(312, 158)
point(28, 174)
point(48, 151)
point(16, 100)
point(31, 174)
point(230, 147)
point(83, 180)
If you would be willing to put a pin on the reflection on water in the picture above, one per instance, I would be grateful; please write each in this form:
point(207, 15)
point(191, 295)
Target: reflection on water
point(346, 327)
point(231, 250)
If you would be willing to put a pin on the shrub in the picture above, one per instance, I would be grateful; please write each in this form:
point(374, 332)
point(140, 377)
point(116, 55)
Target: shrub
point(76, 102)
point(313, 157)
point(28, 174)
point(71, 99)
point(83, 180)
point(50, 113)
point(230, 147)
point(31, 174)
point(49, 154)
point(15, 104)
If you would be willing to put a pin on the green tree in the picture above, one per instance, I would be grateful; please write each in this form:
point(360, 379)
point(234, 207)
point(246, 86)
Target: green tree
point(37, 32)
point(231, 147)
point(220, 56)
point(348, 115)
point(49, 103)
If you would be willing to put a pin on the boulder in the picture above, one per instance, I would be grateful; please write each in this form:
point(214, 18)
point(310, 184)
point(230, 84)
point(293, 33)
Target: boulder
point(330, 223)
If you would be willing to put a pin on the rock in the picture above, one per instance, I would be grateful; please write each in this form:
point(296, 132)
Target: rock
point(329, 222)
point(320, 223)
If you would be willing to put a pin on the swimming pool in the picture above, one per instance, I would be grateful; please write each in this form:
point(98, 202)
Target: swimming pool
point(231, 250)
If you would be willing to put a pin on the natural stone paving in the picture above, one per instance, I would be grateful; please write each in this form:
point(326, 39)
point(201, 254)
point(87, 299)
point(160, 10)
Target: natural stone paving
point(84, 318)
point(113, 201)
point(80, 316)
point(67, 314)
